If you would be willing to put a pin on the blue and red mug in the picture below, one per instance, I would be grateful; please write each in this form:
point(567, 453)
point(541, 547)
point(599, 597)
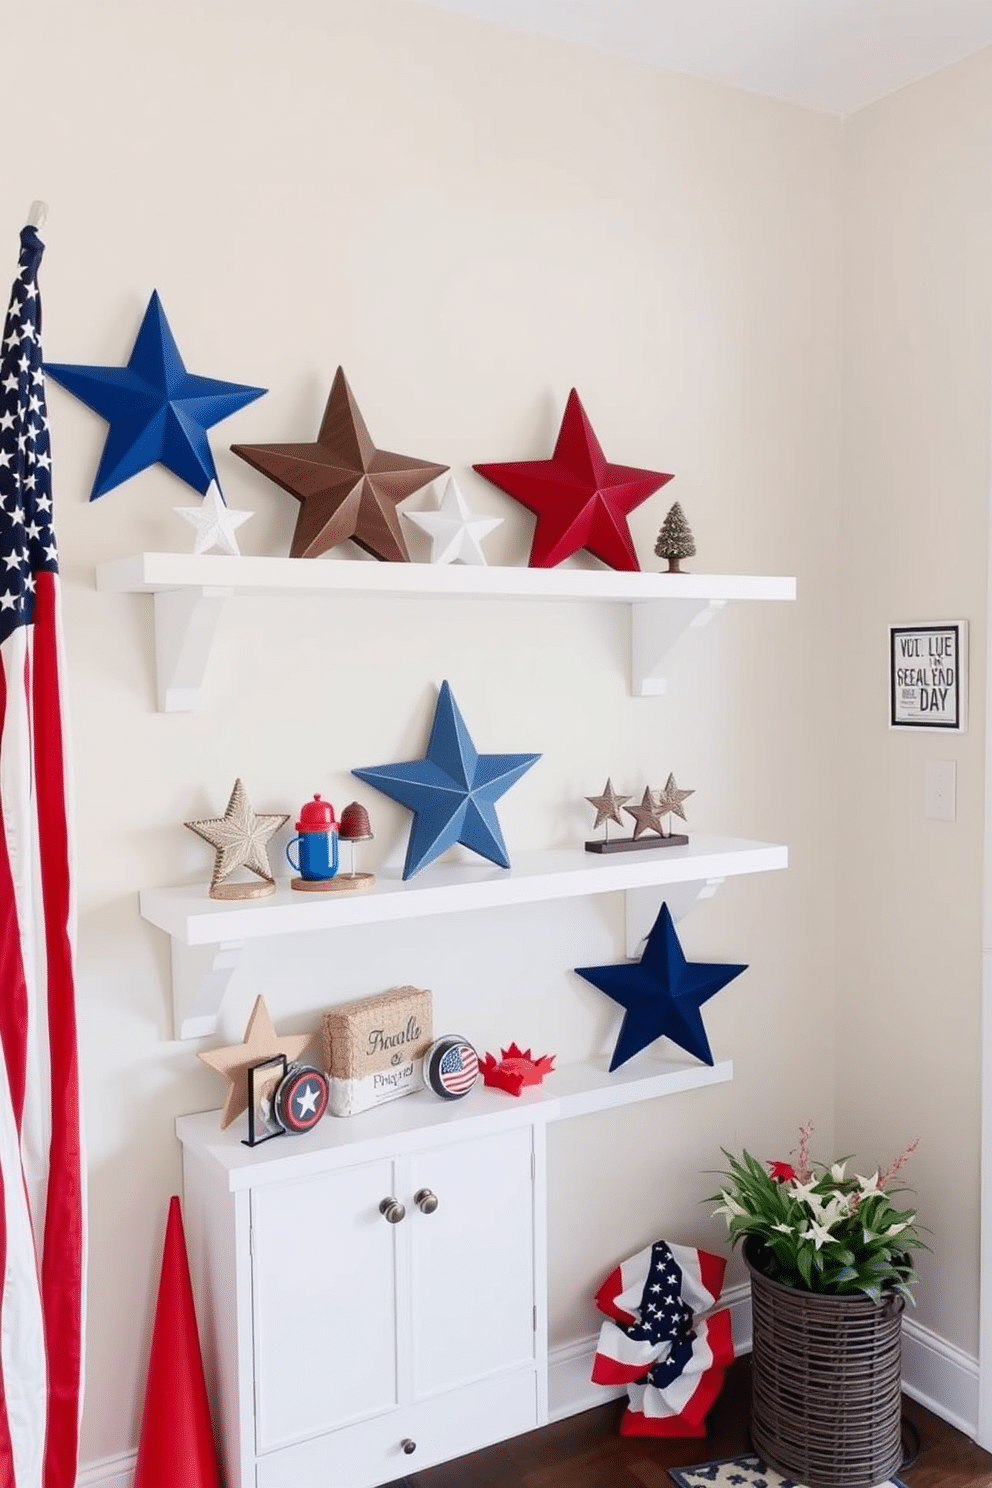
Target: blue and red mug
point(317, 837)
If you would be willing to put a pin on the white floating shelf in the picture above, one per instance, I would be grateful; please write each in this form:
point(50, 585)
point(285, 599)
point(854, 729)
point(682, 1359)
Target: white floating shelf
point(208, 935)
point(190, 591)
point(574, 1090)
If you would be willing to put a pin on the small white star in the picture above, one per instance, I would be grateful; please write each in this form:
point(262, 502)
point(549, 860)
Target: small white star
point(4, 458)
point(27, 331)
point(33, 530)
point(7, 601)
point(52, 553)
point(306, 1101)
point(10, 383)
point(44, 503)
point(455, 534)
point(214, 522)
point(6, 420)
point(44, 461)
point(12, 560)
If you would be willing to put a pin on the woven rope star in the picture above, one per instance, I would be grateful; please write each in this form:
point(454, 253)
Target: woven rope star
point(647, 815)
point(239, 837)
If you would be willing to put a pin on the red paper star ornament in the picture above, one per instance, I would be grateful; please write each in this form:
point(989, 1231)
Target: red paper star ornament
point(347, 488)
point(579, 498)
point(515, 1069)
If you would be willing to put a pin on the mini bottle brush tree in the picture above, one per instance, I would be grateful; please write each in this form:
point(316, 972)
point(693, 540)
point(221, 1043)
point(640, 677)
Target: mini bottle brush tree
point(675, 540)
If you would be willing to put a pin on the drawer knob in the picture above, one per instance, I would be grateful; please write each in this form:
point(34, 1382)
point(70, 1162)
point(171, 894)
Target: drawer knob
point(408, 1446)
point(392, 1210)
point(425, 1200)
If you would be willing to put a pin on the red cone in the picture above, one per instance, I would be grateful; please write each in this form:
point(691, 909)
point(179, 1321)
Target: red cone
point(176, 1449)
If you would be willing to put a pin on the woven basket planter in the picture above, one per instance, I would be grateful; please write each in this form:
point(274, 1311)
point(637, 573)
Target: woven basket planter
point(826, 1377)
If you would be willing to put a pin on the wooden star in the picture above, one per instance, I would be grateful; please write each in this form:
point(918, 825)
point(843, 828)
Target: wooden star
point(671, 798)
point(346, 486)
point(239, 837)
point(579, 498)
point(234, 1061)
point(607, 806)
point(647, 816)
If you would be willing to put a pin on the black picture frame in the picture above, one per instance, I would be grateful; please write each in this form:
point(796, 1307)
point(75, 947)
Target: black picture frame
point(263, 1079)
point(928, 676)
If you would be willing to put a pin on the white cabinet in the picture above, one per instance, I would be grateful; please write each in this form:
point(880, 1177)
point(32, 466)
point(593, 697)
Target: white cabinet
point(384, 1310)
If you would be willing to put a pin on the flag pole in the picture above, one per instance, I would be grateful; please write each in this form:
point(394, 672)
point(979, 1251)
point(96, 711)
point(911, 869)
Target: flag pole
point(37, 212)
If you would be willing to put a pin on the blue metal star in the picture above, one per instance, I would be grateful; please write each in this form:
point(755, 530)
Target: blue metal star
point(662, 993)
point(452, 791)
point(157, 411)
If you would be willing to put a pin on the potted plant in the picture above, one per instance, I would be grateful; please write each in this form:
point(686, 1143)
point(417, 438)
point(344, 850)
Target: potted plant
point(830, 1260)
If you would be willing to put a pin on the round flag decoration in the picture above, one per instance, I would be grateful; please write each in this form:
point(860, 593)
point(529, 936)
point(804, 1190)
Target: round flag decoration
point(301, 1098)
point(451, 1067)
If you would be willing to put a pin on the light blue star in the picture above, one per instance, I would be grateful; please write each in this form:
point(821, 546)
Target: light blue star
point(157, 411)
point(452, 791)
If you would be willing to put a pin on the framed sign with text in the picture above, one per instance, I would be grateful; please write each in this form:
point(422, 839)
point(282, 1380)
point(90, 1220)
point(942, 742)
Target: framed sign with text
point(928, 676)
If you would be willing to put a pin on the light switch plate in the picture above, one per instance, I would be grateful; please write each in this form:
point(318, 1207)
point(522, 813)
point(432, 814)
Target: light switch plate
point(940, 790)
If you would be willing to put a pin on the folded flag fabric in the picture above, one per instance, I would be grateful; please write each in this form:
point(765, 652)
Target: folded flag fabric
point(662, 1339)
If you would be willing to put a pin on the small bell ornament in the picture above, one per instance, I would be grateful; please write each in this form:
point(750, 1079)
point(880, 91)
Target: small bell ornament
point(355, 827)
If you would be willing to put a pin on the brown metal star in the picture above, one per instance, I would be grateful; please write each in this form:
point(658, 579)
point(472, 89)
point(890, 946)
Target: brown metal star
point(347, 488)
point(239, 837)
point(671, 798)
point(647, 816)
point(607, 806)
point(235, 1060)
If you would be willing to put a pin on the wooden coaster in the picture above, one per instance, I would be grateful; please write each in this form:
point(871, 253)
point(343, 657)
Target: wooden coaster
point(258, 890)
point(332, 885)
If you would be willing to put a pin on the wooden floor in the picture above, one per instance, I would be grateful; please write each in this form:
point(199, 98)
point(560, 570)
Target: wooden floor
point(587, 1451)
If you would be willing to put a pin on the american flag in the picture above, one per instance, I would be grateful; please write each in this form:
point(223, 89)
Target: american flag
point(42, 1248)
point(459, 1069)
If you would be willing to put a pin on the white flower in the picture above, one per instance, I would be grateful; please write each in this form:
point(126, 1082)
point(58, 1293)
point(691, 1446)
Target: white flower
point(868, 1185)
point(820, 1234)
point(729, 1206)
point(893, 1230)
point(834, 1209)
point(804, 1193)
point(837, 1172)
point(784, 1228)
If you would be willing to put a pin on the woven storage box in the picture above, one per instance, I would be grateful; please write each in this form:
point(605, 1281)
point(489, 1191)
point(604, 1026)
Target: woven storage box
point(826, 1373)
point(374, 1048)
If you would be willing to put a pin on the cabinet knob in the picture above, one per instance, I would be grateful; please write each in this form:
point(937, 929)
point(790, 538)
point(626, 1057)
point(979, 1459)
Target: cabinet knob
point(408, 1446)
point(392, 1210)
point(425, 1200)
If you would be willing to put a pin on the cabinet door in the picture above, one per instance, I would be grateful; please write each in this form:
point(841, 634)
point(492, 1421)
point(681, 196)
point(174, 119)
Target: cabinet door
point(324, 1303)
point(472, 1260)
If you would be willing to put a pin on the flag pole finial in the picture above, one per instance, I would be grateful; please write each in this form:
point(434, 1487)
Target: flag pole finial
point(37, 213)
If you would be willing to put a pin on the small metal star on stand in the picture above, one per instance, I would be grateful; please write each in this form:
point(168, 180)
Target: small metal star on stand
point(234, 1061)
point(647, 818)
point(662, 994)
point(607, 809)
point(239, 837)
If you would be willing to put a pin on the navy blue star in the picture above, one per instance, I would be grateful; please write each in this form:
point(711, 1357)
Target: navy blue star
point(157, 411)
point(662, 993)
point(452, 791)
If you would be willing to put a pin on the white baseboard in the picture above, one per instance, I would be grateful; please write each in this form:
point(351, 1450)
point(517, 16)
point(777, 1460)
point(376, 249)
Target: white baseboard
point(940, 1376)
point(936, 1373)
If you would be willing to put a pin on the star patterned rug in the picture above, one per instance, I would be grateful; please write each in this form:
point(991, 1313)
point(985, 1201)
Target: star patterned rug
point(746, 1471)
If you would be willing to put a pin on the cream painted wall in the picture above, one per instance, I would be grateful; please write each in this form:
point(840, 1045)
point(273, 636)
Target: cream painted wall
point(914, 499)
point(471, 223)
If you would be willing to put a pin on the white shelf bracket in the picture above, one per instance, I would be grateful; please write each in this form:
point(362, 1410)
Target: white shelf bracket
point(655, 626)
point(185, 622)
point(642, 906)
point(200, 978)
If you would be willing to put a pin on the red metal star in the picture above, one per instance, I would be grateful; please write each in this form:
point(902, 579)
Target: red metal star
point(579, 498)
